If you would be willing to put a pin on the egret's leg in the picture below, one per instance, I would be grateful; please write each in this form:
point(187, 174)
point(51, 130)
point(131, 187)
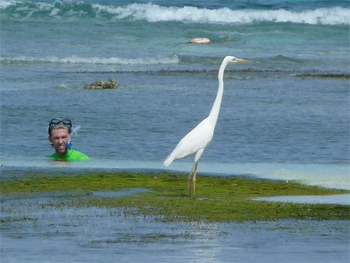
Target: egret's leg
point(190, 179)
point(189, 186)
point(194, 181)
point(192, 175)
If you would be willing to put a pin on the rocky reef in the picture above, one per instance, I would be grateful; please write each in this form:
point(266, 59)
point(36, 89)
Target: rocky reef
point(110, 84)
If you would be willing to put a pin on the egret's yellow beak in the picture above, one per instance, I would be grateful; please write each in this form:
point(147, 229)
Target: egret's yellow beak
point(240, 60)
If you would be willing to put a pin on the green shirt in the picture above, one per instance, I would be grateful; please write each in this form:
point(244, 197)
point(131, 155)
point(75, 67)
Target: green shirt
point(71, 155)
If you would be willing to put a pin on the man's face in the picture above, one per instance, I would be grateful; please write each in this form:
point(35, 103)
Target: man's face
point(59, 139)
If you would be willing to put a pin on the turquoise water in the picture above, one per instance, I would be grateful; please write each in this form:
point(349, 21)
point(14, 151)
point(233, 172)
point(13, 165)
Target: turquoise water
point(276, 110)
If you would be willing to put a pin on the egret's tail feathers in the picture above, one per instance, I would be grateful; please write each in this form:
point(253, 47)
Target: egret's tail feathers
point(168, 160)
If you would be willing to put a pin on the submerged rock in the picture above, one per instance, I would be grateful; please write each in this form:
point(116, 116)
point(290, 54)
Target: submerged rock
point(110, 84)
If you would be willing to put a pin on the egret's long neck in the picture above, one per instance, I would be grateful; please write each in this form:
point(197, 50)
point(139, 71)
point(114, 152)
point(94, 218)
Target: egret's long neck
point(214, 113)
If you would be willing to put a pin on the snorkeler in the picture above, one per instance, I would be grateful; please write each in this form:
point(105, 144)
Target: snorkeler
point(60, 135)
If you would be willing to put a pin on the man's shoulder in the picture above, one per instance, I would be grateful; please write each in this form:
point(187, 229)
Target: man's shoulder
point(54, 155)
point(78, 156)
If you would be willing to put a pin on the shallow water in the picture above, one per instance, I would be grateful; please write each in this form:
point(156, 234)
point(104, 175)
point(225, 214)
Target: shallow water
point(343, 199)
point(51, 229)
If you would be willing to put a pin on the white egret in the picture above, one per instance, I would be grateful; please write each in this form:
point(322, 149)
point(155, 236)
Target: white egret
point(198, 139)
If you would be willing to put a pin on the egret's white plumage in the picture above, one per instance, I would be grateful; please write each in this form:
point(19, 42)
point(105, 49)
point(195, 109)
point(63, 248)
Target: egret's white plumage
point(198, 139)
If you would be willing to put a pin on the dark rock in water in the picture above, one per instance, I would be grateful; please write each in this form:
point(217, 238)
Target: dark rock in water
point(111, 84)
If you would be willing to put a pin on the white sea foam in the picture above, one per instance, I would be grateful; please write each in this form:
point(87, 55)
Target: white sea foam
point(187, 14)
point(172, 59)
point(6, 3)
point(156, 13)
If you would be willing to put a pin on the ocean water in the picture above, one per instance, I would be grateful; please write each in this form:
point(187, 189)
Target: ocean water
point(284, 116)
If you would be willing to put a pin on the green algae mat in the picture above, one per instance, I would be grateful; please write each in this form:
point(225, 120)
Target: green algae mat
point(218, 199)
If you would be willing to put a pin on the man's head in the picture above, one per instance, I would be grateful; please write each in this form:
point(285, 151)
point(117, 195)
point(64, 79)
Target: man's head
point(59, 123)
point(59, 134)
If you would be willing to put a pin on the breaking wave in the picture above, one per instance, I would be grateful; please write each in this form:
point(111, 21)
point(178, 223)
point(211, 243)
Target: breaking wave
point(156, 13)
point(173, 59)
